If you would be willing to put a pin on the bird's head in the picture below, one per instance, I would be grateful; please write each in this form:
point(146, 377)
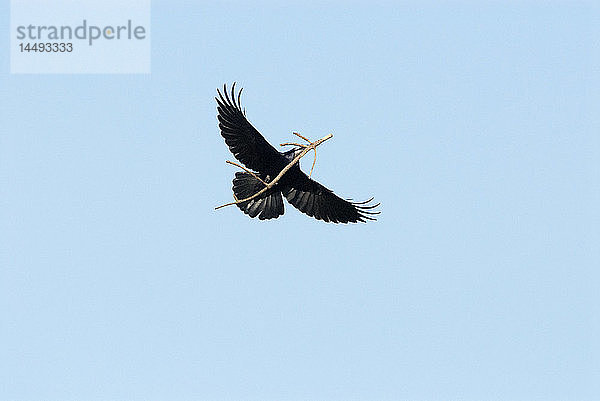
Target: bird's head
point(292, 153)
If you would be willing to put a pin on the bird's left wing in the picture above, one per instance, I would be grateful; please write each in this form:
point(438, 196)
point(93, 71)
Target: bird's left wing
point(244, 141)
point(315, 200)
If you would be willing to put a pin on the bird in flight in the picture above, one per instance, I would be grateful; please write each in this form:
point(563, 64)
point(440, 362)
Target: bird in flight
point(304, 193)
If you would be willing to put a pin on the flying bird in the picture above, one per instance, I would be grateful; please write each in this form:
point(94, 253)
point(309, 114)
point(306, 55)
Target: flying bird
point(304, 193)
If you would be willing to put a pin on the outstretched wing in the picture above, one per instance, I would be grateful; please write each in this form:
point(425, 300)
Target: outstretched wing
point(244, 141)
point(315, 200)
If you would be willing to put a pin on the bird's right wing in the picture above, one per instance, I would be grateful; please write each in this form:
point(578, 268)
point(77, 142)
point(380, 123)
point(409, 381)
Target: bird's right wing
point(244, 141)
point(315, 200)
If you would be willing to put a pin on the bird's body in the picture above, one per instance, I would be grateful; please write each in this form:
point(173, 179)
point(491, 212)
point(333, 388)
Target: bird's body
point(251, 149)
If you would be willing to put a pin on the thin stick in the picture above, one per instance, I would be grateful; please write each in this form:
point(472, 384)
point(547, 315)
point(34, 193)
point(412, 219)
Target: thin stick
point(292, 144)
point(306, 139)
point(313, 145)
point(246, 170)
point(313, 165)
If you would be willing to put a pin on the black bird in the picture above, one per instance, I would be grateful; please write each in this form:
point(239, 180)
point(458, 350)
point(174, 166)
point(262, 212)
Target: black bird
point(251, 149)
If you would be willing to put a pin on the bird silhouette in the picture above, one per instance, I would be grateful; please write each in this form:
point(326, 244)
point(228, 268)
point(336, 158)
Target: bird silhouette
point(251, 149)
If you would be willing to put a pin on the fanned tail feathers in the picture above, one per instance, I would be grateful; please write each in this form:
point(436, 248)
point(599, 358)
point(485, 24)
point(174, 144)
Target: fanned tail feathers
point(268, 205)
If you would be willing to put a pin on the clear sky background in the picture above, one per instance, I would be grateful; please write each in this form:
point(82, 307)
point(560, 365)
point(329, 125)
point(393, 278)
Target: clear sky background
point(475, 124)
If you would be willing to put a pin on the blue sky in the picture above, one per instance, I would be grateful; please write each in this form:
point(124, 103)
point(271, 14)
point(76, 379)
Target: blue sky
point(475, 124)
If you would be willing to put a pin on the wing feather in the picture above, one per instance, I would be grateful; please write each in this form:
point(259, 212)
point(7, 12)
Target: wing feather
point(243, 140)
point(317, 201)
